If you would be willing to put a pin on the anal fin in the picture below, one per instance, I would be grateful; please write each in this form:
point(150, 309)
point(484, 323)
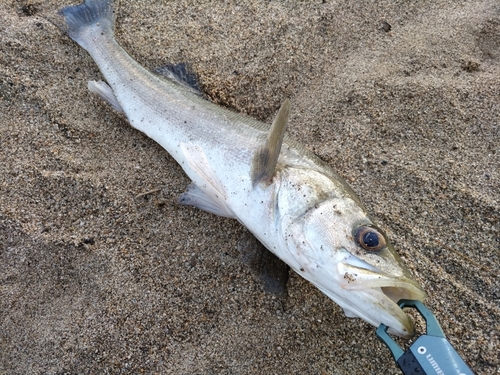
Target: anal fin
point(106, 93)
point(194, 196)
point(266, 158)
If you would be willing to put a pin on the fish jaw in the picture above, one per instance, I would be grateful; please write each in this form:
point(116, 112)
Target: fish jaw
point(377, 294)
point(317, 241)
point(365, 292)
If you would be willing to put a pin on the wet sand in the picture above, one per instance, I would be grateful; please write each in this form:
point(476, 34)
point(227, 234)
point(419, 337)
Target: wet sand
point(97, 277)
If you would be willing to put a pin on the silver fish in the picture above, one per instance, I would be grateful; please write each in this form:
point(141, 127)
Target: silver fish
point(294, 203)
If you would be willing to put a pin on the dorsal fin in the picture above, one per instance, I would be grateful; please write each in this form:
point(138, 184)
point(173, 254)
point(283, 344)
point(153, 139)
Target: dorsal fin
point(180, 74)
point(266, 158)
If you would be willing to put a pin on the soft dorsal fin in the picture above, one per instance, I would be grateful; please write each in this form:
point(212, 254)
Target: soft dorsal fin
point(181, 74)
point(266, 158)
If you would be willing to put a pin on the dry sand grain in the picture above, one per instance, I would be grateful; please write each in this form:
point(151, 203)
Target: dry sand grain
point(94, 279)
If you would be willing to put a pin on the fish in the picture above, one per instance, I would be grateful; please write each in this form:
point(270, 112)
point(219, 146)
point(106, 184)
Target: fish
point(241, 168)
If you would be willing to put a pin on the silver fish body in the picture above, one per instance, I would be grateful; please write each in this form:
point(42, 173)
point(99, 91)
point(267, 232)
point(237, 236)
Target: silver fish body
point(303, 211)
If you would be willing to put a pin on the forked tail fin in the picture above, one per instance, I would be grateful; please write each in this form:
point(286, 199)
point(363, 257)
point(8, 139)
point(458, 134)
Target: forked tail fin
point(95, 14)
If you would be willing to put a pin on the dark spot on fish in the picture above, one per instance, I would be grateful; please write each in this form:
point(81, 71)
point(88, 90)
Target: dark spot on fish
point(386, 26)
point(349, 277)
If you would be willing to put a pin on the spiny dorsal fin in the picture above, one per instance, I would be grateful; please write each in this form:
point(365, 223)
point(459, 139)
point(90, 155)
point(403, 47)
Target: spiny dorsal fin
point(266, 158)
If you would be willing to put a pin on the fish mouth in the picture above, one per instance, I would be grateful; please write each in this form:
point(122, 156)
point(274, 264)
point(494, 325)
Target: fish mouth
point(378, 296)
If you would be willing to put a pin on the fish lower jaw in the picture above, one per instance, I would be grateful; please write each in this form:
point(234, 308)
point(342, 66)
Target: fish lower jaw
point(378, 304)
point(373, 296)
point(375, 307)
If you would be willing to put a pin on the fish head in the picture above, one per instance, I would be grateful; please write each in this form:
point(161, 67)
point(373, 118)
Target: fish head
point(332, 242)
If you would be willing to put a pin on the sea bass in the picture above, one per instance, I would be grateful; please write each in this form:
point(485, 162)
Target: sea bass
point(294, 203)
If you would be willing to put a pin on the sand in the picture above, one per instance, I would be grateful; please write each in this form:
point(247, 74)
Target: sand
point(97, 277)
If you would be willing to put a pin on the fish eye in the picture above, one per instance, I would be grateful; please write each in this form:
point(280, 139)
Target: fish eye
point(370, 238)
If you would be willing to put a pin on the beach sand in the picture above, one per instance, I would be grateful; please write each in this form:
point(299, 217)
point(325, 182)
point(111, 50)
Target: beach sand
point(97, 277)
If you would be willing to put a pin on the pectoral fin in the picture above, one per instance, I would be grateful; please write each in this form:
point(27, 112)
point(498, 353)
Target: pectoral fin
point(266, 158)
point(207, 193)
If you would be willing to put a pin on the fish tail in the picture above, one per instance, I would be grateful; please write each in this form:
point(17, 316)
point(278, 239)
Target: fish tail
point(91, 14)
